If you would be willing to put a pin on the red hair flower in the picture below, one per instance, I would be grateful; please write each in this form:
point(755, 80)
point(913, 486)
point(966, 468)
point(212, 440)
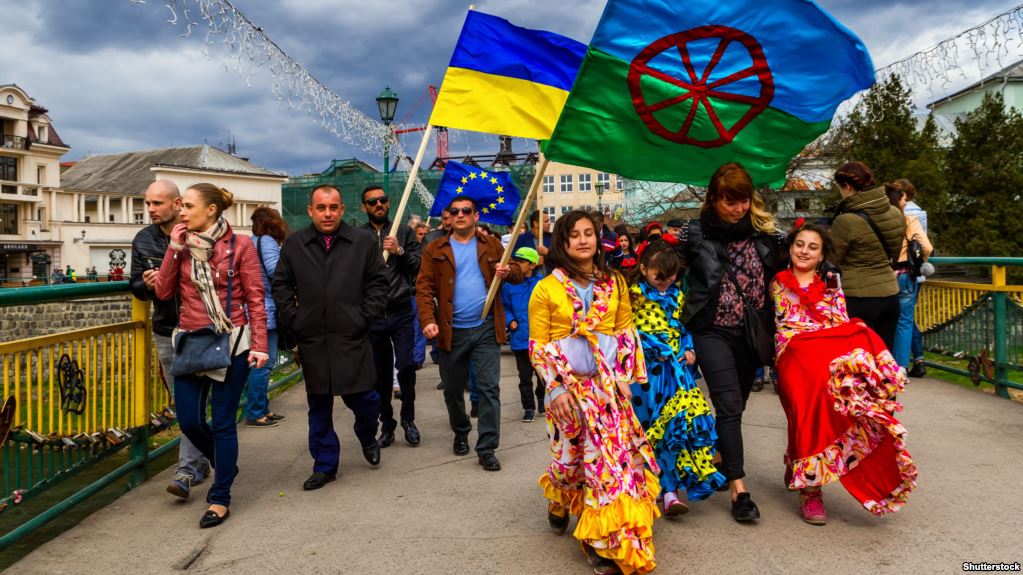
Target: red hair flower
point(799, 222)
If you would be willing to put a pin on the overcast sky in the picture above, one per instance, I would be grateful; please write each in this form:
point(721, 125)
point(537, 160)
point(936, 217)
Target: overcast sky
point(117, 77)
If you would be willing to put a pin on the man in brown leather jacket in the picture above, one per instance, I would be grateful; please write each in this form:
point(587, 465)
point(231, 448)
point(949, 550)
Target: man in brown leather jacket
point(457, 270)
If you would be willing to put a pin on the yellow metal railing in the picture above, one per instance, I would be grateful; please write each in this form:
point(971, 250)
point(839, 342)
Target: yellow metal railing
point(117, 372)
point(941, 301)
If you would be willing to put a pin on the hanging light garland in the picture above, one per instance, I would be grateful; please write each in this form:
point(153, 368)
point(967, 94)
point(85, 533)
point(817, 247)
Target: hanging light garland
point(248, 47)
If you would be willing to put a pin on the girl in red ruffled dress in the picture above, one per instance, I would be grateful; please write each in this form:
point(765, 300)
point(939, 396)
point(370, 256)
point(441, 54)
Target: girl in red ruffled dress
point(837, 383)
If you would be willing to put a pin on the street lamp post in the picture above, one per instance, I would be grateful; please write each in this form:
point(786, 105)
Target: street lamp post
point(600, 195)
point(387, 103)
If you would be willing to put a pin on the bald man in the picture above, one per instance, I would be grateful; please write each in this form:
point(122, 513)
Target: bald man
point(163, 202)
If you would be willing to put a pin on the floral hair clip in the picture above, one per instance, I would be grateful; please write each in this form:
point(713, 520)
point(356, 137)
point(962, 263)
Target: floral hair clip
point(800, 222)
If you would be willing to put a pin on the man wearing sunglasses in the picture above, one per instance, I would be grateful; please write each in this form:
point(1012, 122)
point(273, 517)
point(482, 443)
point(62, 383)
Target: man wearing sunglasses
point(457, 270)
point(393, 335)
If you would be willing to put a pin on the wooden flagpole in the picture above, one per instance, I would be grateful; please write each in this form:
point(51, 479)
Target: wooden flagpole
point(412, 175)
point(523, 212)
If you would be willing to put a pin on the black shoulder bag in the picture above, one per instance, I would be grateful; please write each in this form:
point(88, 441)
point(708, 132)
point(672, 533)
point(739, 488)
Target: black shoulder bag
point(285, 339)
point(757, 324)
point(204, 349)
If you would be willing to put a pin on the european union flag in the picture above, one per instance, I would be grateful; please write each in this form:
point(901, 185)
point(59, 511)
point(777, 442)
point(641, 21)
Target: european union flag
point(494, 193)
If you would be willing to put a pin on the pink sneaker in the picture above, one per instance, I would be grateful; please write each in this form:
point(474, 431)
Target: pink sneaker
point(811, 507)
point(672, 506)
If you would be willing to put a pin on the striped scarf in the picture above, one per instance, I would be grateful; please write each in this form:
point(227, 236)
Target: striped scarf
point(200, 247)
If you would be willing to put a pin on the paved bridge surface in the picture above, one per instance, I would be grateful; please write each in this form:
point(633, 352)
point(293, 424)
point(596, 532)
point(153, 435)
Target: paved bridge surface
point(425, 510)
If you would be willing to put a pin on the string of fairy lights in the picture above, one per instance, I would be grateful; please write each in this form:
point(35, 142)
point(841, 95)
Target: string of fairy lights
point(970, 55)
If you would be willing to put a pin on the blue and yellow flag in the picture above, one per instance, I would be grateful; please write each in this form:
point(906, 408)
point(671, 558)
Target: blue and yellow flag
point(494, 193)
point(507, 80)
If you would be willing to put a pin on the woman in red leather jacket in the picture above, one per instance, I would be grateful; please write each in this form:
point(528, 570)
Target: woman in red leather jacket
point(204, 258)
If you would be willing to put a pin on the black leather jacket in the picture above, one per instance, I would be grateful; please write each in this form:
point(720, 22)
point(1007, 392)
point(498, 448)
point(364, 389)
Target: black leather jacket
point(147, 251)
point(401, 270)
point(706, 269)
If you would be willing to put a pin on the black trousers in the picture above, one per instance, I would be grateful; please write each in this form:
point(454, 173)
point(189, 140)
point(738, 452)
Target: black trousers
point(393, 340)
point(881, 314)
point(526, 376)
point(728, 366)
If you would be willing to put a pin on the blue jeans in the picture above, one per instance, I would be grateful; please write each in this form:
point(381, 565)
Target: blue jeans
point(190, 461)
point(904, 329)
point(257, 403)
point(916, 348)
point(219, 442)
point(419, 349)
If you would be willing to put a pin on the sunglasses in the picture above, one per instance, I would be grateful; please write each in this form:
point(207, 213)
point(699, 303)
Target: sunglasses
point(465, 210)
point(374, 201)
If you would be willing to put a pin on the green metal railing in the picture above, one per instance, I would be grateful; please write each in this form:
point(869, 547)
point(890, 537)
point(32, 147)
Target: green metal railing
point(964, 320)
point(48, 445)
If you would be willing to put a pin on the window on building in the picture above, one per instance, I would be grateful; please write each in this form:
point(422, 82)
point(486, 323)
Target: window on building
point(565, 209)
point(803, 204)
point(8, 168)
point(619, 183)
point(41, 132)
point(604, 178)
point(566, 182)
point(9, 219)
point(41, 175)
point(111, 216)
point(548, 184)
point(584, 182)
point(551, 212)
point(139, 218)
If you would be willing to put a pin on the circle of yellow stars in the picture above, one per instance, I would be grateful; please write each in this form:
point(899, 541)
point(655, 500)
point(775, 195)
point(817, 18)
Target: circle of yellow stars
point(484, 176)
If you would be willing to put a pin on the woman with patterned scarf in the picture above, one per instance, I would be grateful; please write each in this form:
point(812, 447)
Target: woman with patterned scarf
point(583, 344)
point(669, 405)
point(204, 258)
point(837, 383)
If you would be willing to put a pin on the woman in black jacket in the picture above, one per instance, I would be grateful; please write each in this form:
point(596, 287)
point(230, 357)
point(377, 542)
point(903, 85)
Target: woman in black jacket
point(734, 231)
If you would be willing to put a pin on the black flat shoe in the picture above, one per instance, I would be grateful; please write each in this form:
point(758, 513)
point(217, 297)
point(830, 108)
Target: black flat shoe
point(372, 452)
point(411, 433)
point(743, 508)
point(211, 519)
point(386, 439)
point(558, 524)
point(317, 480)
point(461, 446)
point(489, 462)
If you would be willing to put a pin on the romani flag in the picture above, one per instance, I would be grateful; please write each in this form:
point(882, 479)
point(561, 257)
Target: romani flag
point(670, 90)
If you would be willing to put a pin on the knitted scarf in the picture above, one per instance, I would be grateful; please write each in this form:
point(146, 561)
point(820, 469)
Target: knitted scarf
point(200, 248)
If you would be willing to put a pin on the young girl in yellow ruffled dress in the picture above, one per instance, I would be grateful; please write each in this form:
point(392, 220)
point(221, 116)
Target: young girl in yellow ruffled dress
point(584, 345)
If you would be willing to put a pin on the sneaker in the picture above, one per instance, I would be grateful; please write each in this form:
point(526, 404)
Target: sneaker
point(276, 416)
point(474, 411)
point(811, 507)
point(758, 385)
point(181, 486)
point(672, 506)
point(265, 422)
point(528, 416)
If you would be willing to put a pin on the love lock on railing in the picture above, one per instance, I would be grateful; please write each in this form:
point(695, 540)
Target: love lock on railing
point(72, 386)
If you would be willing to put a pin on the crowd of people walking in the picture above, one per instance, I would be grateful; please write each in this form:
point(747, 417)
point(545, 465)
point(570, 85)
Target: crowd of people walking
point(611, 335)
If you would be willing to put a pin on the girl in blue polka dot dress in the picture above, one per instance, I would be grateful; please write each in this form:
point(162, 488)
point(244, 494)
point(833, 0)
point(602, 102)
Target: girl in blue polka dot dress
point(670, 406)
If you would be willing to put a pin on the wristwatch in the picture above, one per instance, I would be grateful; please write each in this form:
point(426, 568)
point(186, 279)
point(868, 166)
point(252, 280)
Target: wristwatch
point(401, 251)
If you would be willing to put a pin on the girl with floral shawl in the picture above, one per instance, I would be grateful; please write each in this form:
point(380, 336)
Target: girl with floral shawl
point(583, 344)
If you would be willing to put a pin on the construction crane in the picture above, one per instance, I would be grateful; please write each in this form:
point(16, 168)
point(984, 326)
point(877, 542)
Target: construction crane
point(442, 133)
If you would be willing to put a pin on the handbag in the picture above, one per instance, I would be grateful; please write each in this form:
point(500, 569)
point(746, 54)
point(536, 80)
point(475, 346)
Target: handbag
point(757, 324)
point(915, 256)
point(285, 337)
point(204, 349)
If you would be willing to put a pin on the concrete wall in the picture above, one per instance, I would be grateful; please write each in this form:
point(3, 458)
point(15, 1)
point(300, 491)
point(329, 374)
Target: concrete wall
point(24, 321)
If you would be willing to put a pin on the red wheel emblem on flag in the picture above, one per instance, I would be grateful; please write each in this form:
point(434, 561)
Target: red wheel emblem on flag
point(699, 89)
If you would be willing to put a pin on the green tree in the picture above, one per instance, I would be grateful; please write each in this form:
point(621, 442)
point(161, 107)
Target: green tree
point(881, 131)
point(984, 170)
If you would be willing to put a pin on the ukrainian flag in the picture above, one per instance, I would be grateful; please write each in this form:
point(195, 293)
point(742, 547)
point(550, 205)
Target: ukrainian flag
point(507, 80)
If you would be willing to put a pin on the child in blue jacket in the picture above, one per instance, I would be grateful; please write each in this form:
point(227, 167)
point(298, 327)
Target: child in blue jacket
point(515, 298)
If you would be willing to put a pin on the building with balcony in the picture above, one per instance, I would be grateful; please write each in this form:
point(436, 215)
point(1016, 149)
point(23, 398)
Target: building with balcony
point(30, 152)
point(100, 205)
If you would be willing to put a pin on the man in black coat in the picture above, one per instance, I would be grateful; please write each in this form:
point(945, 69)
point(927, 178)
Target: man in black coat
point(393, 336)
point(329, 285)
